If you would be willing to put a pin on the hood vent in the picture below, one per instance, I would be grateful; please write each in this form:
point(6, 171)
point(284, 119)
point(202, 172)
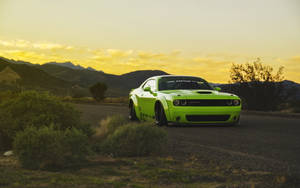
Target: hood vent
point(204, 92)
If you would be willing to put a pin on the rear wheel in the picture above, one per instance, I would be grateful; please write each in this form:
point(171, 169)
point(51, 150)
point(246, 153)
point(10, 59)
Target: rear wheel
point(160, 116)
point(132, 114)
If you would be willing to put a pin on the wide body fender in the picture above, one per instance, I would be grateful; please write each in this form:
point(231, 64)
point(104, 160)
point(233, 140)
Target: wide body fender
point(134, 99)
point(163, 101)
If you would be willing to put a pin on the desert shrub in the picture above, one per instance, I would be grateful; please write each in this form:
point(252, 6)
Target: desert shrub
point(260, 88)
point(98, 91)
point(135, 139)
point(109, 125)
point(47, 148)
point(31, 108)
point(106, 127)
point(76, 145)
point(5, 95)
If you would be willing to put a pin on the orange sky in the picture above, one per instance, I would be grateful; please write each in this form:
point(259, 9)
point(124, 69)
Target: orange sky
point(194, 37)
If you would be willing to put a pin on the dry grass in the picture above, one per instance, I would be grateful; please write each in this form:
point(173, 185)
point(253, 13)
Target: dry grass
point(102, 171)
point(108, 126)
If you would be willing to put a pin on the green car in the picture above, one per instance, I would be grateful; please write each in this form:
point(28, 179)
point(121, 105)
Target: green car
point(170, 99)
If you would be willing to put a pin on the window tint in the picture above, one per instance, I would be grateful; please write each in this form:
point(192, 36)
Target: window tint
point(175, 83)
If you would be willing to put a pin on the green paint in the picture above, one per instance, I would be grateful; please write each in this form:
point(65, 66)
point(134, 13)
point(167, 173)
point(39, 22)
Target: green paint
point(195, 95)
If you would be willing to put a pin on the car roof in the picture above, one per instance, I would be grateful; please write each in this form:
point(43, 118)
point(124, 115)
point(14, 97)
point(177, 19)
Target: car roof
point(161, 76)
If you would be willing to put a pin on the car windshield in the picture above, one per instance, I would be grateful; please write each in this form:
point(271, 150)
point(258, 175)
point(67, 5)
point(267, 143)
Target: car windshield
point(175, 83)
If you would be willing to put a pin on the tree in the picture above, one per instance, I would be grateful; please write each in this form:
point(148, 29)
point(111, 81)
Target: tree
point(256, 83)
point(98, 90)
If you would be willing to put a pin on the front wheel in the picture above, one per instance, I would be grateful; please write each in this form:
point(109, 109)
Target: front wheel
point(132, 114)
point(236, 123)
point(160, 116)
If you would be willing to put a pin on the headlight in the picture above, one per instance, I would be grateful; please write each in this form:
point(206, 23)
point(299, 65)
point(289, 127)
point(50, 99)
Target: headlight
point(176, 102)
point(236, 102)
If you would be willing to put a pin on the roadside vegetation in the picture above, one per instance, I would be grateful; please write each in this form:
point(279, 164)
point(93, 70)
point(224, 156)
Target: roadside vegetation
point(48, 148)
point(260, 88)
point(34, 109)
point(98, 91)
point(53, 148)
point(91, 100)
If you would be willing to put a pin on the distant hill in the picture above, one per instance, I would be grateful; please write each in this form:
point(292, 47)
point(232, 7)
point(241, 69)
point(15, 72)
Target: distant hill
point(15, 62)
point(31, 77)
point(71, 65)
point(118, 85)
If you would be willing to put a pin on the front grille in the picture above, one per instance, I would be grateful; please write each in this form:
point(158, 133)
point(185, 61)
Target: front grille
point(207, 117)
point(208, 102)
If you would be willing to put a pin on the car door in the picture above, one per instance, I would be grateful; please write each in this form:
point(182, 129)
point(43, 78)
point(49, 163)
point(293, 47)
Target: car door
point(148, 99)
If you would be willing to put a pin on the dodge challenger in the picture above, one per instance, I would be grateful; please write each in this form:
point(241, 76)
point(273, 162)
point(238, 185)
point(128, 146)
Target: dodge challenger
point(170, 99)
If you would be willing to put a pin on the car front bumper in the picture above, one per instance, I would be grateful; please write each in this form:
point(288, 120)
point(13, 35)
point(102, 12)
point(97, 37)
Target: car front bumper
point(204, 115)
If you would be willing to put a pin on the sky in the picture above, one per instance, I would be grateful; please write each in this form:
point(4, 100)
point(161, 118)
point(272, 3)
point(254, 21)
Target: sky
point(185, 37)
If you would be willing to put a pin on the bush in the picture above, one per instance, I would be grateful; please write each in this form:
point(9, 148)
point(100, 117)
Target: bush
point(135, 140)
point(47, 148)
point(256, 83)
point(6, 95)
point(107, 127)
point(31, 108)
point(98, 91)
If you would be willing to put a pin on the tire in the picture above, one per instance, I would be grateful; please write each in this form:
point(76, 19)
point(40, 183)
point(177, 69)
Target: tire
point(235, 124)
point(132, 114)
point(160, 116)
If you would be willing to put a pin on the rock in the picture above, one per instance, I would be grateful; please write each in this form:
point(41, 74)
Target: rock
point(8, 153)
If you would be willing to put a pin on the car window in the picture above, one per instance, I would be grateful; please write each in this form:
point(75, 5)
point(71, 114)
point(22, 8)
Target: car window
point(150, 83)
point(175, 83)
point(146, 84)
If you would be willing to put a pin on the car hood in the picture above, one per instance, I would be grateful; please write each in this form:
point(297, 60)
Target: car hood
point(198, 94)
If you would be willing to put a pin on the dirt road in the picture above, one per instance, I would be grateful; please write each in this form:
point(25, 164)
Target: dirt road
point(262, 143)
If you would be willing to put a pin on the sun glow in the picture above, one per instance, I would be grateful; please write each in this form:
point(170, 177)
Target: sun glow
point(213, 67)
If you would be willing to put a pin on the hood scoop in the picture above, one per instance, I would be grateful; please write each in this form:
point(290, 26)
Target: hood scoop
point(204, 92)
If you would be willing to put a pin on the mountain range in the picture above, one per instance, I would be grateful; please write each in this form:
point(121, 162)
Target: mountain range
point(62, 78)
point(71, 65)
point(68, 76)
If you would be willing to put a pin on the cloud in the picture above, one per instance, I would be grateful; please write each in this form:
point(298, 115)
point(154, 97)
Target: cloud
point(34, 45)
point(150, 55)
point(119, 53)
point(213, 67)
point(295, 59)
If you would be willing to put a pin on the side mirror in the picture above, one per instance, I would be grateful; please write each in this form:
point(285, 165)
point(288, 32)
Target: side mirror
point(147, 89)
point(217, 88)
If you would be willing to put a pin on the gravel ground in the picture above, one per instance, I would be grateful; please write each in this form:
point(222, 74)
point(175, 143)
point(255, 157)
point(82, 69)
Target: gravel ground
point(261, 143)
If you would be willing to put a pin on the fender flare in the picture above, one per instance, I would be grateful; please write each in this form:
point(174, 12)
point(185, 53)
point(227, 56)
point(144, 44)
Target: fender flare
point(165, 105)
point(135, 102)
